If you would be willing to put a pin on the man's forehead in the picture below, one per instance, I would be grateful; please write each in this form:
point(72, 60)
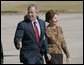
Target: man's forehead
point(32, 8)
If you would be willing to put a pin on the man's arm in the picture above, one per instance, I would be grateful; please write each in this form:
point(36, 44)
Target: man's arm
point(18, 36)
point(46, 40)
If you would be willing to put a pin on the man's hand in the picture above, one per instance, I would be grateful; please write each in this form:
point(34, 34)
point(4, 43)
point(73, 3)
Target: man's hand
point(68, 61)
point(19, 45)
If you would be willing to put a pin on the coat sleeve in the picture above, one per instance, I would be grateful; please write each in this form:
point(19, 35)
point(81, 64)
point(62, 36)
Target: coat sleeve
point(18, 34)
point(46, 40)
point(63, 44)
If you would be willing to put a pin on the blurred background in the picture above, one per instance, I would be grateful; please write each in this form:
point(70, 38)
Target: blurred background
point(60, 6)
point(70, 19)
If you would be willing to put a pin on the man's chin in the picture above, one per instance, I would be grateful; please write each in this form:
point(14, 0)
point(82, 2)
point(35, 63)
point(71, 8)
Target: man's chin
point(32, 19)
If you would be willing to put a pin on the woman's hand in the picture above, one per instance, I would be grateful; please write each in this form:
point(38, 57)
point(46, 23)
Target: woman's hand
point(68, 61)
point(49, 56)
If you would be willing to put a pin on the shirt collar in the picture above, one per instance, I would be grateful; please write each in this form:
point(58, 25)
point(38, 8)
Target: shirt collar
point(35, 21)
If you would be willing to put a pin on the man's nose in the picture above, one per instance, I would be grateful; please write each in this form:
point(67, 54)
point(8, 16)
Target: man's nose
point(30, 14)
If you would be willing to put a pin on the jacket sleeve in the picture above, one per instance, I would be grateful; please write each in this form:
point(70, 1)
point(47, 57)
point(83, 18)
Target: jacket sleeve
point(64, 45)
point(46, 40)
point(18, 34)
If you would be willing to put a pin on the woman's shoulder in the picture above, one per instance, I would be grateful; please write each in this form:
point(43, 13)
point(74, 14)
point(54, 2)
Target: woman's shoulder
point(48, 29)
point(59, 27)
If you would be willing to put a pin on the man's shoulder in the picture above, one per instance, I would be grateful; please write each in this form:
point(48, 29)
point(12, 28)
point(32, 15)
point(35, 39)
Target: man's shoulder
point(41, 20)
point(22, 22)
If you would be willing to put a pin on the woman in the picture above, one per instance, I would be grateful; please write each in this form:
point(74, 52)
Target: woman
point(55, 39)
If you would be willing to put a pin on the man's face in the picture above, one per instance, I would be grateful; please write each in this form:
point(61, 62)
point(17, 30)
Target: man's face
point(32, 13)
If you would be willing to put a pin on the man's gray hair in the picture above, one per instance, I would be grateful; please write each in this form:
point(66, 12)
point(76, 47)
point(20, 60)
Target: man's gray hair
point(32, 5)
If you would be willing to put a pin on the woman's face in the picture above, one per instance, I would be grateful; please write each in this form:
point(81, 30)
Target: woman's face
point(54, 19)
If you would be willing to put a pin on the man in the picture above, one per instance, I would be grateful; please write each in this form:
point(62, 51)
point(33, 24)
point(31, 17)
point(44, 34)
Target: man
point(2, 54)
point(31, 33)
